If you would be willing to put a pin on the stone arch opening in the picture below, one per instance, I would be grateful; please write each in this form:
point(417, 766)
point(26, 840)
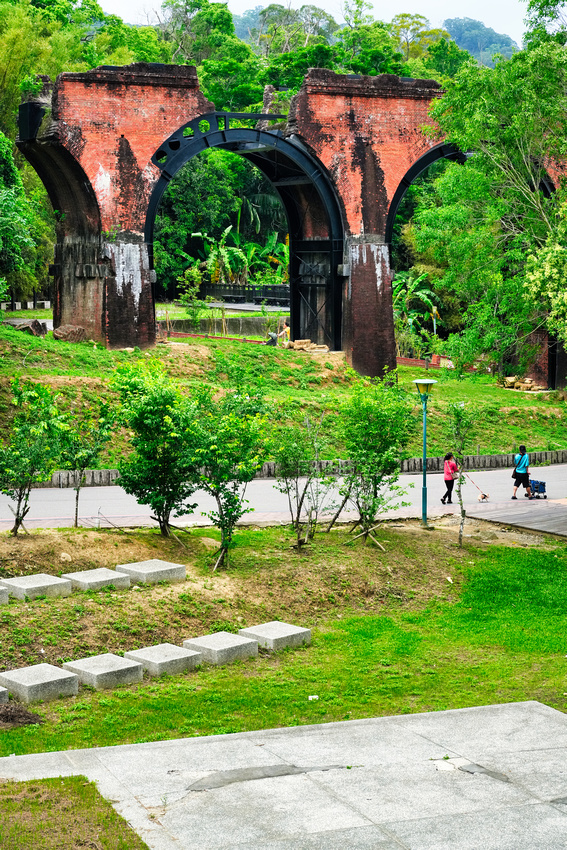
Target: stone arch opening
point(312, 208)
point(442, 151)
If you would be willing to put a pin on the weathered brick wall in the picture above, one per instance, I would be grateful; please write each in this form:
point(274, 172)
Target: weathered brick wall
point(95, 159)
point(113, 120)
point(367, 132)
point(107, 123)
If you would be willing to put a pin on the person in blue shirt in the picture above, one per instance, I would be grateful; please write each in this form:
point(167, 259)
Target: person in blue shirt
point(521, 473)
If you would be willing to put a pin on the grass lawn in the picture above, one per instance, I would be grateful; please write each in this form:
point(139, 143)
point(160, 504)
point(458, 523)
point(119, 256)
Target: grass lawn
point(425, 626)
point(64, 812)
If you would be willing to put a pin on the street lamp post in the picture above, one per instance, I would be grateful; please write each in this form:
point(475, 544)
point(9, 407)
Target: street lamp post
point(423, 387)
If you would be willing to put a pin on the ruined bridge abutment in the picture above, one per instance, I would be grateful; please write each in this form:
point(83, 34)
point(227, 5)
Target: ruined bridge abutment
point(105, 143)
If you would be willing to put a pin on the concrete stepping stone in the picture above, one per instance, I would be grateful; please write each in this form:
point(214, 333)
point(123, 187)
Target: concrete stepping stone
point(106, 671)
point(30, 587)
point(150, 572)
point(165, 658)
point(277, 635)
point(4, 595)
point(96, 579)
point(4, 694)
point(223, 647)
point(40, 682)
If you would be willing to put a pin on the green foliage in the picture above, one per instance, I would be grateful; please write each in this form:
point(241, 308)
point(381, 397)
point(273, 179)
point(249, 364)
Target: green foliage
point(462, 420)
point(446, 57)
point(81, 445)
point(546, 275)
point(212, 192)
point(15, 214)
point(376, 425)
point(298, 450)
point(480, 41)
point(31, 452)
point(230, 445)
point(160, 470)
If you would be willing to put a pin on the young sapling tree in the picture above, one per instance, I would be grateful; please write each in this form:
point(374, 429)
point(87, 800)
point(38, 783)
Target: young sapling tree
point(160, 470)
point(81, 445)
point(461, 424)
point(229, 447)
point(376, 425)
point(33, 447)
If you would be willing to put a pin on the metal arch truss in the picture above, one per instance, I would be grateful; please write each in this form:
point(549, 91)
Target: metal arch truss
point(299, 179)
point(443, 151)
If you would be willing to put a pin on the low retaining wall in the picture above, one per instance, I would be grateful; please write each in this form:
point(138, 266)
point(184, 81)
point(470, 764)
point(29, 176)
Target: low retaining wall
point(235, 325)
point(411, 466)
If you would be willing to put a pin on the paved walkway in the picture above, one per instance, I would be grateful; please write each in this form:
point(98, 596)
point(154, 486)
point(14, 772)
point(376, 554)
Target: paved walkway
point(493, 778)
point(107, 506)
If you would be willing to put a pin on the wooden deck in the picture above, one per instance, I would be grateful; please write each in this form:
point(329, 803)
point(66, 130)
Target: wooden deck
point(545, 515)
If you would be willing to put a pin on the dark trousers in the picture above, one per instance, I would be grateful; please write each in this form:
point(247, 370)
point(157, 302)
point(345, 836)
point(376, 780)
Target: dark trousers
point(449, 484)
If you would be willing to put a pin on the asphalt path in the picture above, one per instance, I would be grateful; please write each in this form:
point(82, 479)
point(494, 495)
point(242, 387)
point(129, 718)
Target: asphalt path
point(102, 507)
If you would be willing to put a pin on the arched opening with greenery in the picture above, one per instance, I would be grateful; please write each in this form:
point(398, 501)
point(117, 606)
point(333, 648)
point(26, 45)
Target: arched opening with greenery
point(312, 213)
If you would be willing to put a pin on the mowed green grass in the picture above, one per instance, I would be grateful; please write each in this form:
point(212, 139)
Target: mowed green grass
point(501, 638)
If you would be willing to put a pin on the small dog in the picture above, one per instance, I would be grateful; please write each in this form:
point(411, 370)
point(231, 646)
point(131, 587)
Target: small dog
point(483, 497)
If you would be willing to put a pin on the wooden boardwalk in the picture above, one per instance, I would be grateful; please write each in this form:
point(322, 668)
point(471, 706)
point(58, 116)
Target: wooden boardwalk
point(545, 515)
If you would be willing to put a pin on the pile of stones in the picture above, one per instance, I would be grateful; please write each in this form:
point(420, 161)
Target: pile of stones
point(45, 682)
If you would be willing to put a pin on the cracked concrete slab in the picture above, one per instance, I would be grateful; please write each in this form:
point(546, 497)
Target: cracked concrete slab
point(493, 777)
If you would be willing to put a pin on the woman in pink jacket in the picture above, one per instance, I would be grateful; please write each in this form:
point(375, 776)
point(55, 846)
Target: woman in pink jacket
point(450, 472)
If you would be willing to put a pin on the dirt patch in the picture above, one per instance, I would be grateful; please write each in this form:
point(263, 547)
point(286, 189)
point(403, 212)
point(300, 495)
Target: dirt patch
point(13, 714)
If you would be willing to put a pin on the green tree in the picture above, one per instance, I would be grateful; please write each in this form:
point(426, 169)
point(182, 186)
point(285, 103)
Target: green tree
point(414, 35)
point(230, 443)
point(31, 452)
point(81, 445)
point(461, 426)
point(376, 426)
point(480, 41)
point(160, 470)
point(298, 450)
point(446, 57)
point(15, 215)
point(491, 213)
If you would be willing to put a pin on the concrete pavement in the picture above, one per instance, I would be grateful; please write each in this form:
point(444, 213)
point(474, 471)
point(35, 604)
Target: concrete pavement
point(105, 506)
point(493, 777)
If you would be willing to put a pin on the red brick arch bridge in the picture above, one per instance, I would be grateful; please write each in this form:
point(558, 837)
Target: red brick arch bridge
point(106, 142)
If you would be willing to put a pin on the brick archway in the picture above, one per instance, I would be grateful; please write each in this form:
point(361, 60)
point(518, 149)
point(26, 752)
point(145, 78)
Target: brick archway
point(349, 144)
point(308, 197)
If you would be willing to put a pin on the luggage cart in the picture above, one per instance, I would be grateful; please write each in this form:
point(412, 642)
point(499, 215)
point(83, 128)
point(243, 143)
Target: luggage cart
point(538, 489)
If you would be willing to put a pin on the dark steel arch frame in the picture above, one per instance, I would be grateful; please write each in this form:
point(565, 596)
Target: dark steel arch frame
point(442, 151)
point(288, 165)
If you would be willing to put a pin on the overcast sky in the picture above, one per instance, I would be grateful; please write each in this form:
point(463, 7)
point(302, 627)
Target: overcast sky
point(504, 16)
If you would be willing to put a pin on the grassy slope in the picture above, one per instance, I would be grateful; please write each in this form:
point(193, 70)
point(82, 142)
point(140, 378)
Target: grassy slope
point(391, 633)
point(297, 382)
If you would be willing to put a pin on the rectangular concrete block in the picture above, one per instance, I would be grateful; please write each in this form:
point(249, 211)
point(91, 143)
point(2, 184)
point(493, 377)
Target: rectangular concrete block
point(150, 572)
point(223, 647)
point(29, 587)
point(40, 682)
point(276, 635)
point(106, 671)
point(165, 658)
point(4, 694)
point(96, 579)
point(4, 595)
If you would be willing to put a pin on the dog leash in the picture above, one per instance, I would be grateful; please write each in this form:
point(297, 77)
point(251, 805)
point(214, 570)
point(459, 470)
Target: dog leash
point(484, 495)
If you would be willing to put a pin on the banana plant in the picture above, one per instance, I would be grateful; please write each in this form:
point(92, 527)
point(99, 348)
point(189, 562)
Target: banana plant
point(226, 264)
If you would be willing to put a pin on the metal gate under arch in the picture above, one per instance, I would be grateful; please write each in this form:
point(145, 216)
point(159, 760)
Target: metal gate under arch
point(313, 212)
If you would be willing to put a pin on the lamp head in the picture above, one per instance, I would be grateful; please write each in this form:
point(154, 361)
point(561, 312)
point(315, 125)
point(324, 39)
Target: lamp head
point(423, 386)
